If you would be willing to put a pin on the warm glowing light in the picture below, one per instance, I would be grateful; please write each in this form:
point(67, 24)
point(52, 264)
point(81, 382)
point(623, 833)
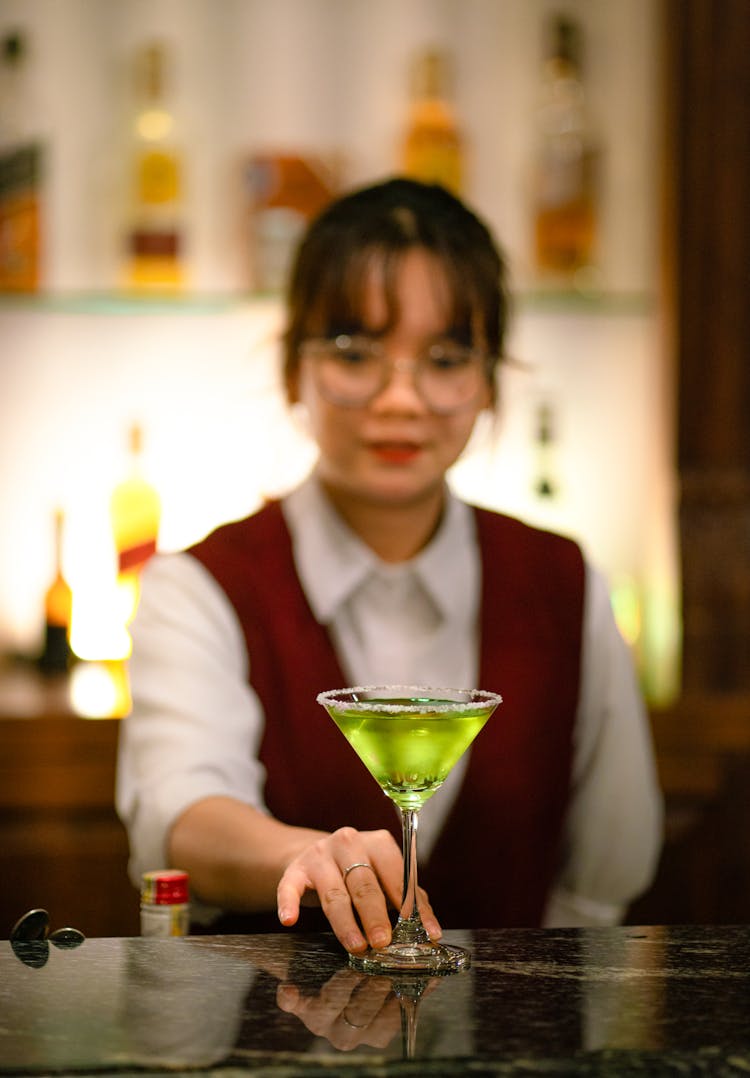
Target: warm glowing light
point(661, 642)
point(154, 124)
point(100, 690)
point(99, 626)
point(626, 604)
point(219, 440)
point(128, 592)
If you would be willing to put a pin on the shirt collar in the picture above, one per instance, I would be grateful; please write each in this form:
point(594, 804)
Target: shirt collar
point(332, 562)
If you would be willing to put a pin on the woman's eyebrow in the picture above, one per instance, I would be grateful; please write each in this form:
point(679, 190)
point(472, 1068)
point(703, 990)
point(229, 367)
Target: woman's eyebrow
point(459, 334)
point(352, 328)
point(348, 327)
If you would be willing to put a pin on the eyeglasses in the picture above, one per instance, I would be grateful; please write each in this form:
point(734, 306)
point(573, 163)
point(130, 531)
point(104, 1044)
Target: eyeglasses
point(352, 371)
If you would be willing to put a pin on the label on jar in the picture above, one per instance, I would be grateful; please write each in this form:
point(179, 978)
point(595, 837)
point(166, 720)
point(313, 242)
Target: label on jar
point(164, 921)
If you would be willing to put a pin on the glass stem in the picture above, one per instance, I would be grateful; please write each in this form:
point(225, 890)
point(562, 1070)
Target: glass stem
point(408, 1027)
point(409, 927)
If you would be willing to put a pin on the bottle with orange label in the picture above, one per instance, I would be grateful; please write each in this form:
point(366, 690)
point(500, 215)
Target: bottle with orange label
point(21, 171)
point(566, 171)
point(432, 149)
point(58, 605)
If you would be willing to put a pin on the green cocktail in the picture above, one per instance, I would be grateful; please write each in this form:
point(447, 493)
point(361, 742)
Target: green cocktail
point(407, 748)
point(409, 738)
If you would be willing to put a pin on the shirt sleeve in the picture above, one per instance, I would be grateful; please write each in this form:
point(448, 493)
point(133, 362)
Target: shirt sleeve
point(195, 724)
point(613, 828)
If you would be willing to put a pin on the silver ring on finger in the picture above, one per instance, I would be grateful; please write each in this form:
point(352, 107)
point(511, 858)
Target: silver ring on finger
point(353, 1025)
point(357, 864)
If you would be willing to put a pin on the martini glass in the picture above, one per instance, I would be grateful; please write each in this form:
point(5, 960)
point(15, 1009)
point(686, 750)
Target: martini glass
point(409, 738)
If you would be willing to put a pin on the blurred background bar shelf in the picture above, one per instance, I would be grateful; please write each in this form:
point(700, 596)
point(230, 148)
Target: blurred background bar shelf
point(157, 161)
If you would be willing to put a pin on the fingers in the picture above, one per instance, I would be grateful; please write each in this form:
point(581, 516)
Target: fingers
point(429, 920)
point(292, 886)
point(351, 1009)
point(356, 907)
point(318, 870)
point(352, 874)
point(385, 857)
point(354, 896)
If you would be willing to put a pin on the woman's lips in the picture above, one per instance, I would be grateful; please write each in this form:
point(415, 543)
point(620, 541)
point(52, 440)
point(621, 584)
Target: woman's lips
point(395, 452)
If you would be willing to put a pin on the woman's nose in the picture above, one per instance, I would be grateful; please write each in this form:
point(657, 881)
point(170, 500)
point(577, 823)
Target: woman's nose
point(400, 390)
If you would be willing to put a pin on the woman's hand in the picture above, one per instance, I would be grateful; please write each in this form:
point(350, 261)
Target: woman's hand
point(352, 875)
point(351, 1009)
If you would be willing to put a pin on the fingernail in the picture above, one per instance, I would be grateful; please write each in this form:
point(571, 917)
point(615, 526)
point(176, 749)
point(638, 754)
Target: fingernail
point(379, 938)
point(285, 916)
point(355, 943)
point(434, 931)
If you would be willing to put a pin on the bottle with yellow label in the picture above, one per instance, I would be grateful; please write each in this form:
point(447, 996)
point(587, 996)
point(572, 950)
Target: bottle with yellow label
point(135, 513)
point(155, 239)
point(432, 148)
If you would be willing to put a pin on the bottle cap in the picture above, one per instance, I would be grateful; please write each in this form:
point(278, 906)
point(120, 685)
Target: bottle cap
point(431, 74)
point(165, 887)
point(566, 41)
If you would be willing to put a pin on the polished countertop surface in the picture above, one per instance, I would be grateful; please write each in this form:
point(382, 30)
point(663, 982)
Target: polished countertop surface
point(620, 1001)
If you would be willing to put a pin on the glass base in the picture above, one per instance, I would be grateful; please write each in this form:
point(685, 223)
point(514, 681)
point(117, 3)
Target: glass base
point(431, 958)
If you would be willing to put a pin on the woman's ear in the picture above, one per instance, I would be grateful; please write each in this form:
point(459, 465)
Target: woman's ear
point(489, 399)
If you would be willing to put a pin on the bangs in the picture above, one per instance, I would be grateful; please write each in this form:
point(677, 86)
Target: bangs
point(341, 300)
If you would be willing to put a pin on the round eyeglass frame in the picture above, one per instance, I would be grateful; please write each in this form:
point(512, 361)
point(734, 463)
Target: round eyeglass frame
point(318, 348)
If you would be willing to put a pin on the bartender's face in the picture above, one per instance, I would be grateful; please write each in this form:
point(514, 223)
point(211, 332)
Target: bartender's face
point(395, 448)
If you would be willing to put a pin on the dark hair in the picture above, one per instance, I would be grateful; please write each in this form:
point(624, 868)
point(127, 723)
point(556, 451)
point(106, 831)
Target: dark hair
point(326, 286)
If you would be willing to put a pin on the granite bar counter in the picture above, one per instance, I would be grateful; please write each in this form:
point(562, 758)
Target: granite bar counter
point(623, 1001)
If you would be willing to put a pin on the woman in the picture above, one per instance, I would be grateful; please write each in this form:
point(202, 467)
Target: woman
point(372, 572)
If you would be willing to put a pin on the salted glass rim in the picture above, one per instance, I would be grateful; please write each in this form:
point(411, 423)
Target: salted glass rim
point(434, 698)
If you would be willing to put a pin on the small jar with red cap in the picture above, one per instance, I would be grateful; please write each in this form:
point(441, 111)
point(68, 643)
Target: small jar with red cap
point(165, 903)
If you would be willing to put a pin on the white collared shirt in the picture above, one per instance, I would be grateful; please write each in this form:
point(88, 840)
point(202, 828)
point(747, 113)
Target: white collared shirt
point(196, 722)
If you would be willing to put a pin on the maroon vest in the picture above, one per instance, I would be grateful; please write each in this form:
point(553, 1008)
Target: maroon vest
point(499, 849)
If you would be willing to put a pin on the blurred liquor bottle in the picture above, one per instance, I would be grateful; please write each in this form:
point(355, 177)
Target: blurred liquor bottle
point(155, 228)
point(58, 605)
point(135, 515)
point(432, 148)
point(21, 161)
point(545, 482)
point(566, 180)
point(282, 192)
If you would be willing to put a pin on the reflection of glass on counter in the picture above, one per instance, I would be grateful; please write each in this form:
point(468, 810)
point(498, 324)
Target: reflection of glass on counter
point(404, 1017)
